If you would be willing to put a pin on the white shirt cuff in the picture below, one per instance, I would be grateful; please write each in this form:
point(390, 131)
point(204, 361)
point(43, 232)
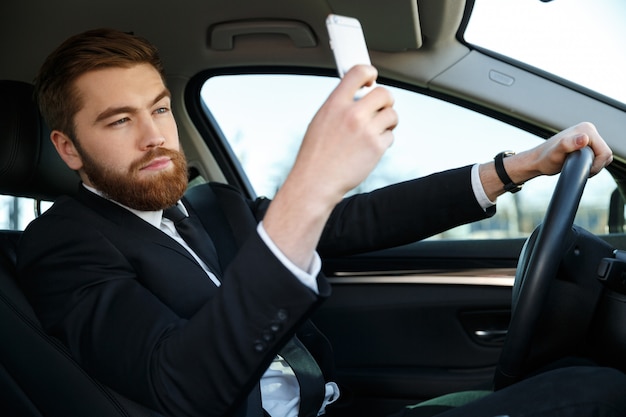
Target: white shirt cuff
point(479, 191)
point(308, 277)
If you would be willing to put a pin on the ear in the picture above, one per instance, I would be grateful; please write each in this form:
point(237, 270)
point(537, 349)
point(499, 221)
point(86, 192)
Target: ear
point(66, 149)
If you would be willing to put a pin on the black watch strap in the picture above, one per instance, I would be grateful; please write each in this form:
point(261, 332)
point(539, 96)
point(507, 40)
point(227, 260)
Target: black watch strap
point(509, 185)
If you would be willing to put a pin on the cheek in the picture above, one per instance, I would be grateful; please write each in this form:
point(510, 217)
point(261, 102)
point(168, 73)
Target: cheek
point(170, 131)
point(111, 155)
point(114, 149)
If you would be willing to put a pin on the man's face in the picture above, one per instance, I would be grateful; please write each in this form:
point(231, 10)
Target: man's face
point(127, 138)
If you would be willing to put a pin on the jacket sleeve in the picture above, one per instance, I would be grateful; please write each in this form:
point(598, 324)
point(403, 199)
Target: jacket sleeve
point(402, 213)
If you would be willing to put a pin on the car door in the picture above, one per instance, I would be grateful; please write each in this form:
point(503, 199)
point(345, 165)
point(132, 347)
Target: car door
point(411, 322)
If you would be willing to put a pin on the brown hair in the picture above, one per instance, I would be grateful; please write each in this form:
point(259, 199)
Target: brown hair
point(55, 93)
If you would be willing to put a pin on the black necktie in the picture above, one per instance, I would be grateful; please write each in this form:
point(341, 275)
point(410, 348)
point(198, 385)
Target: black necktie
point(195, 236)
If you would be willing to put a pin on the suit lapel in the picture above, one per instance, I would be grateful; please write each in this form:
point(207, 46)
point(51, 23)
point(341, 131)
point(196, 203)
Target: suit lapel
point(129, 221)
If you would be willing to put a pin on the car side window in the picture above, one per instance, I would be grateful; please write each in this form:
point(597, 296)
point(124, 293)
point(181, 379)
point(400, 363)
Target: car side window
point(16, 212)
point(264, 118)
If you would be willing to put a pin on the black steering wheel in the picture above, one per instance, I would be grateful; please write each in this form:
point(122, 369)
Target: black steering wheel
point(538, 265)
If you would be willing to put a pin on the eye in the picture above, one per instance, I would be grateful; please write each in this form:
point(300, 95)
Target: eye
point(119, 122)
point(162, 110)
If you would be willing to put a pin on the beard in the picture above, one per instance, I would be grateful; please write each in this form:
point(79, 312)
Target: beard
point(156, 192)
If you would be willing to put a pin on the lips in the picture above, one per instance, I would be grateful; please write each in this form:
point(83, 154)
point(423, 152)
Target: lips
point(157, 164)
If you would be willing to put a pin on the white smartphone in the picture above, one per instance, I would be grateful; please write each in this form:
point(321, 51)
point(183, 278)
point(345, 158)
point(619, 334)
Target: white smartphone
point(348, 45)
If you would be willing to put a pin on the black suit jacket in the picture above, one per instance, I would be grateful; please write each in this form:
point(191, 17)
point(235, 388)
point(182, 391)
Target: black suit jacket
point(139, 314)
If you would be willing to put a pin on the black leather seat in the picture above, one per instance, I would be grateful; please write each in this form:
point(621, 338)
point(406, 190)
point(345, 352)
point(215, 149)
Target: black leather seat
point(38, 377)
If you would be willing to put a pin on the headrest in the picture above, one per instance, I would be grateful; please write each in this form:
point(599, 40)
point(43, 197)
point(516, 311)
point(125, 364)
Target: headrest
point(29, 164)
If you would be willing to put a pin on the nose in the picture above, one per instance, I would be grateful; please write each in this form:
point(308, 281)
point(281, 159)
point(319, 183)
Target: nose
point(150, 135)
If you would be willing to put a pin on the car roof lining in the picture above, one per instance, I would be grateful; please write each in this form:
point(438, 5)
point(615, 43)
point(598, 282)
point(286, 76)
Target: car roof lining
point(429, 60)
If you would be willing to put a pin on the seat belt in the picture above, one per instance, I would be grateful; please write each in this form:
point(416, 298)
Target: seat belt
point(308, 374)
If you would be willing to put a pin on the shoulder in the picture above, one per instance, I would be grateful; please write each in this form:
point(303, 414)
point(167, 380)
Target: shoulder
point(65, 210)
point(67, 213)
point(67, 226)
point(228, 197)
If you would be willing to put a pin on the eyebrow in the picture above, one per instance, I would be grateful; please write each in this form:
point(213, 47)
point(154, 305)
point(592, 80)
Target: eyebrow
point(112, 111)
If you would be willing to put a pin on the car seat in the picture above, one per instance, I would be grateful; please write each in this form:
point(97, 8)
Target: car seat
point(38, 376)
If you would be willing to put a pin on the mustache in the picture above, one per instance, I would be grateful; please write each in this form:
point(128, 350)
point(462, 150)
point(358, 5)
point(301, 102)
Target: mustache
point(155, 153)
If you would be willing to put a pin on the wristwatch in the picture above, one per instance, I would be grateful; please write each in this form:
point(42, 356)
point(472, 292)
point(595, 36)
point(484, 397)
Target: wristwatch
point(509, 185)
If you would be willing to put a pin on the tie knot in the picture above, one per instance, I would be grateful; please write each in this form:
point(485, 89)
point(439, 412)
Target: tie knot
point(174, 214)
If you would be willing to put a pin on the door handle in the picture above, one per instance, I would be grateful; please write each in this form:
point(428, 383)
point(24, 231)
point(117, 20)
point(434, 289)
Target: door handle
point(490, 336)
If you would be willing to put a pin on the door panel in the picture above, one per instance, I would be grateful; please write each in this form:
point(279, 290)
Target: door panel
point(415, 322)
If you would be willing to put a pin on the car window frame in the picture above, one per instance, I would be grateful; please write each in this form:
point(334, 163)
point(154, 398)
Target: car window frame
point(234, 172)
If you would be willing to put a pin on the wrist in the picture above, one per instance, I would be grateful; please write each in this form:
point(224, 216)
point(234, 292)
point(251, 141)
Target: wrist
point(295, 219)
point(508, 183)
point(520, 168)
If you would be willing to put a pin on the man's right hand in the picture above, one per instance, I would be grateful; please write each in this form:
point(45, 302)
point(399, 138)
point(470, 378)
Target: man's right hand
point(348, 137)
point(342, 145)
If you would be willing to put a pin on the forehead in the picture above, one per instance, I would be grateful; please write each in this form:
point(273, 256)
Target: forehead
point(132, 86)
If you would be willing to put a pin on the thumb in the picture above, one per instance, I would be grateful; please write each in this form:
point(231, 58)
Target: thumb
point(580, 141)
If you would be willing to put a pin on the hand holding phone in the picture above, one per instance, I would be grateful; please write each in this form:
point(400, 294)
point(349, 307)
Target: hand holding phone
point(348, 45)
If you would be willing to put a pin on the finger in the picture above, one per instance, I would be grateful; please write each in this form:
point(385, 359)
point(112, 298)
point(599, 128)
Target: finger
point(387, 139)
point(379, 99)
point(357, 77)
point(600, 148)
point(580, 141)
point(603, 155)
point(386, 120)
